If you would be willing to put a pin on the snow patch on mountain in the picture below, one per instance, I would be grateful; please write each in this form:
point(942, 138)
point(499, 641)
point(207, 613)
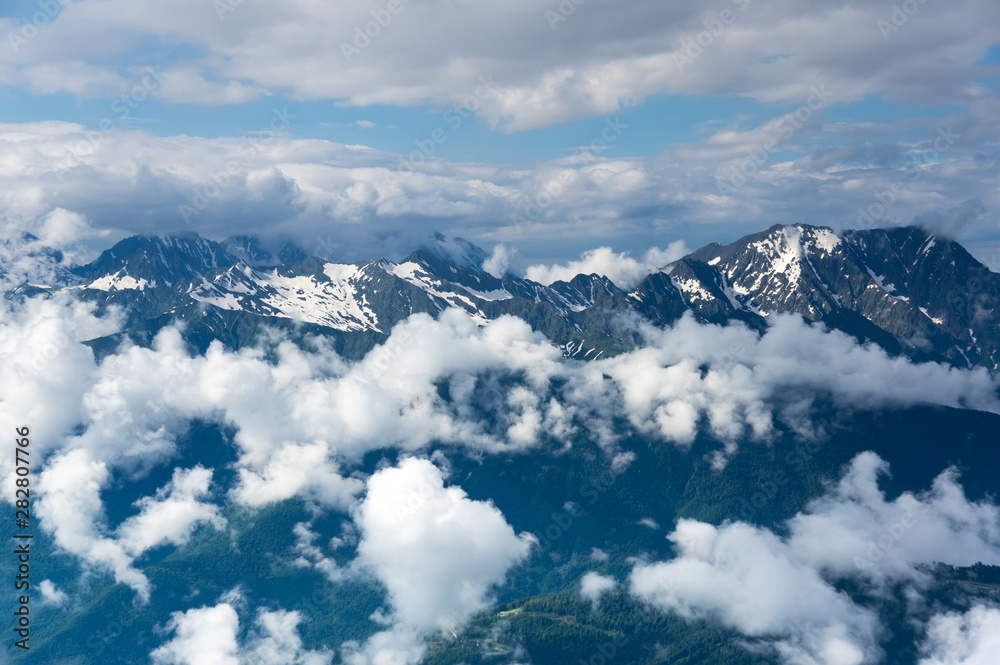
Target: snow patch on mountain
point(416, 274)
point(119, 281)
point(333, 303)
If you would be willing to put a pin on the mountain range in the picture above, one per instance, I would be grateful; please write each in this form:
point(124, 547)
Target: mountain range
point(903, 288)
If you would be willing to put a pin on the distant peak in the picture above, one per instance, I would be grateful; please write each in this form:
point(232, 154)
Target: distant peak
point(457, 251)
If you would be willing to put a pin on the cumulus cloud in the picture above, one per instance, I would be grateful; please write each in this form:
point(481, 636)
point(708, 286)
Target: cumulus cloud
point(437, 552)
point(665, 394)
point(781, 588)
point(620, 268)
point(275, 641)
point(854, 529)
point(210, 636)
point(71, 509)
point(130, 425)
point(40, 342)
point(172, 515)
point(972, 638)
point(311, 555)
point(951, 222)
point(594, 585)
point(599, 555)
point(180, 85)
point(202, 635)
point(51, 594)
point(749, 580)
point(304, 470)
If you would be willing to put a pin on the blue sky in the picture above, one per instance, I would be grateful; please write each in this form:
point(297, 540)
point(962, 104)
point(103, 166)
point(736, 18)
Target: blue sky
point(687, 92)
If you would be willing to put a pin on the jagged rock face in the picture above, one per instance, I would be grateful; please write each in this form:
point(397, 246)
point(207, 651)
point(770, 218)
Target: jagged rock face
point(902, 288)
point(926, 291)
point(141, 261)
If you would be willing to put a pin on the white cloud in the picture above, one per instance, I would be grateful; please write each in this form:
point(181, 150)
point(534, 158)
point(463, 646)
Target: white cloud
point(549, 65)
point(499, 261)
point(311, 555)
point(203, 636)
point(853, 529)
point(972, 638)
point(750, 580)
point(70, 507)
point(396, 646)
point(51, 594)
point(60, 228)
point(276, 641)
point(621, 269)
point(189, 86)
point(665, 393)
point(781, 588)
point(299, 470)
point(437, 552)
point(77, 78)
point(40, 342)
point(209, 636)
point(599, 555)
point(173, 514)
point(594, 585)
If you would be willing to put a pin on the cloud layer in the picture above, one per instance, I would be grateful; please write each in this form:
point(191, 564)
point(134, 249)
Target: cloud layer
point(353, 202)
point(780, 589)
point(553, 62)
point(300, 422)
